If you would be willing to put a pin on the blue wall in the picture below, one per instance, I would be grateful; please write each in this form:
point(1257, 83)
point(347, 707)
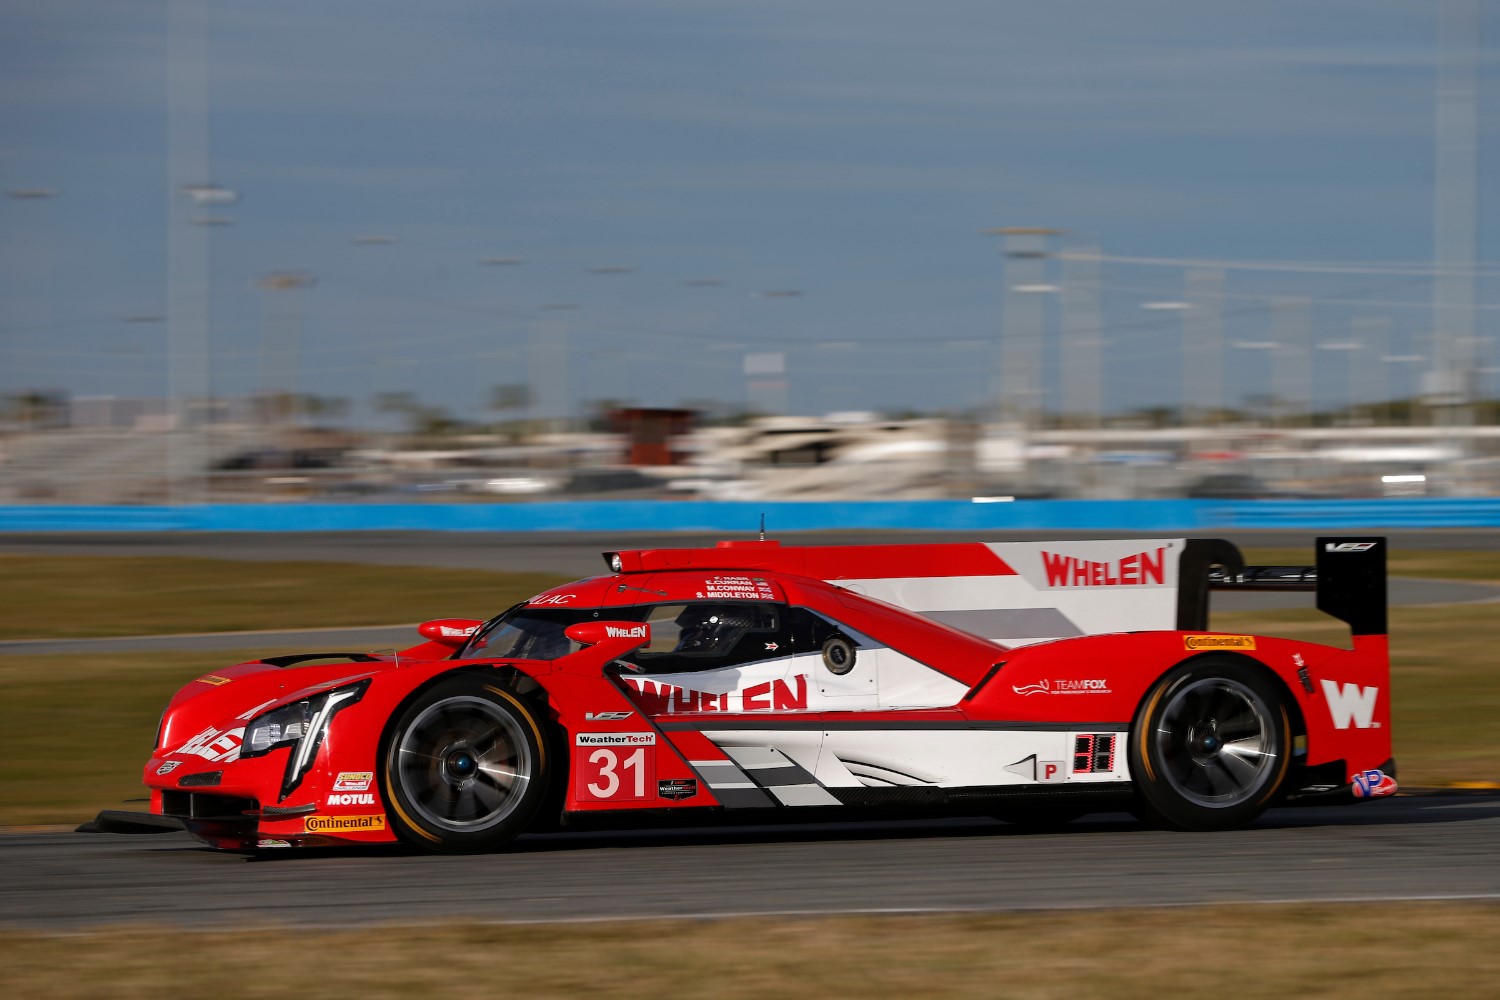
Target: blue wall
point(743, 517)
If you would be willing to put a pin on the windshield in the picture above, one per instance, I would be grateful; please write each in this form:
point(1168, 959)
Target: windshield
point(525, 633)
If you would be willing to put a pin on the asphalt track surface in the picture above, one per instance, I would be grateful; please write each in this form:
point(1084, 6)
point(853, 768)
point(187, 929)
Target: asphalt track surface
point(1440, 846)
point(1428, 847)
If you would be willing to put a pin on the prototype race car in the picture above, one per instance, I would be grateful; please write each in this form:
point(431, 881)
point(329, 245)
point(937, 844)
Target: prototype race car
point(1031, 681)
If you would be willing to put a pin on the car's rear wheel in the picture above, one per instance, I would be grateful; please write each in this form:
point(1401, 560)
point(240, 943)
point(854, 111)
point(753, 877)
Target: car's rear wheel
point(465, 767)
point(1210, 746)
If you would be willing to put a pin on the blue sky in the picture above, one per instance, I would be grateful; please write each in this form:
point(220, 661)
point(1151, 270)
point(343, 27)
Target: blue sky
point(852, 151)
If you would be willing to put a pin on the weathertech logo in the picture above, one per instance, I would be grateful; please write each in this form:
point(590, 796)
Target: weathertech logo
point(1351, 705)
point(343, 824)
point(1143, 568)
point(615, 739)
point(1218, 642)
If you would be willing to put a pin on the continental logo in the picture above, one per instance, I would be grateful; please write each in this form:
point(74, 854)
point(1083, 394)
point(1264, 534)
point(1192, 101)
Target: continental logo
point(343, 824)
point(1218, 642)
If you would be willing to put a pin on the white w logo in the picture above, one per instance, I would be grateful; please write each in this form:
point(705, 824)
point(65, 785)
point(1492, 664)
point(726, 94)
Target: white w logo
point(1350, 704)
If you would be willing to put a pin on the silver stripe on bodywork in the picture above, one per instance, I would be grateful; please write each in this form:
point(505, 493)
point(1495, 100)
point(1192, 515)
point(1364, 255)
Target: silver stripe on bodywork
point(1009, 623)
point(803, 795)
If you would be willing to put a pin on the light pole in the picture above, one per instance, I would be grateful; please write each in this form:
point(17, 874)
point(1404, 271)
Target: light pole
point(281, 344)
point(1374, 336)
point(1187, 398)
point(1269, 347)
point(1405, 359)
point(766, 378)
point(1082, 338)
point(187, 245)
point(1203, 330)
point(1023, 321)
point(1291, 330)
point(1348, 348)
point(547, 355)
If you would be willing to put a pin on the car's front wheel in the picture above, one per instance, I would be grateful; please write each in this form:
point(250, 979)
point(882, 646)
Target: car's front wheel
point(465, 767)
point(1210, 746)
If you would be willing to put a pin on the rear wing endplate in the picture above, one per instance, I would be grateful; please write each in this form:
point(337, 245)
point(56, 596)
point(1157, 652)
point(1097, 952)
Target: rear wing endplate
point(1348, 578)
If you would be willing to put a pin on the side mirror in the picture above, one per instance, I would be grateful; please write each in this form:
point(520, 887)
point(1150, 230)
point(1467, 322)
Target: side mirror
point(625, 635)
point(450, 632)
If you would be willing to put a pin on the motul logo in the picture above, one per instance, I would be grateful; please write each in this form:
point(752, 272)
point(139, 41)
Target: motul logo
point(1131, 571)
point(1350, 704)
point(354, 799)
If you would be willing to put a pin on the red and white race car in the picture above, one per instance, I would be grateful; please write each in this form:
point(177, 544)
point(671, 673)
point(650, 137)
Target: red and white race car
point(1033, 681)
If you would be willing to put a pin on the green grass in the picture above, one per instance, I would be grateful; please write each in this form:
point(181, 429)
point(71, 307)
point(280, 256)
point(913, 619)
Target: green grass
point(50, 597)
point(1373, 951)
point(79, 728)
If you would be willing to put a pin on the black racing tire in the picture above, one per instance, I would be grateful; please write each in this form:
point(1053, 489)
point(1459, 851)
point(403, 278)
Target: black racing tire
point(1210, 746)
point(465, 767)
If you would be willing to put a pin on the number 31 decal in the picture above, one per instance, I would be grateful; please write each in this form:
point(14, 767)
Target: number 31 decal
point(613, 773)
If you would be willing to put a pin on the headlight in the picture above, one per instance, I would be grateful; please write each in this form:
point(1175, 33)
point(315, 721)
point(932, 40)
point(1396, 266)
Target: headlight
point(301, 726)
point(277, 728)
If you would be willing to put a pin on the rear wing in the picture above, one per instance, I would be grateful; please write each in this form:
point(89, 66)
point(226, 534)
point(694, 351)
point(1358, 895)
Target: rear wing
point(1349, 578)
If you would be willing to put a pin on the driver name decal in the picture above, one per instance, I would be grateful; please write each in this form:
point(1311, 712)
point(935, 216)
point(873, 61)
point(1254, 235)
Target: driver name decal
point(737, 588)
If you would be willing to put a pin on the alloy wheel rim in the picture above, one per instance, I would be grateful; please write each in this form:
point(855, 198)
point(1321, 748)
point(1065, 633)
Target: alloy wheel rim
point(463, 763)
point(1215, 742)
